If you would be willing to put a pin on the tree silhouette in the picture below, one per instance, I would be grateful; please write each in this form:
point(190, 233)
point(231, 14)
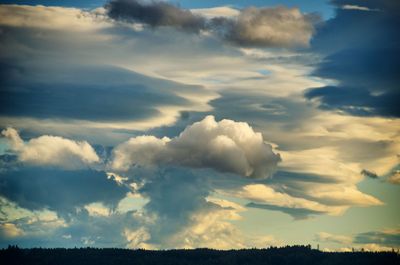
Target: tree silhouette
point(298, 255)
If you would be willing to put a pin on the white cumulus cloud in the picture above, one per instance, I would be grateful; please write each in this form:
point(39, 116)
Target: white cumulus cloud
point(49, 150)
point(226, 146)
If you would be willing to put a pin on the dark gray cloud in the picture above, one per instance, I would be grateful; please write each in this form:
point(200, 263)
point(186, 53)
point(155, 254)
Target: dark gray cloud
point(265, 27)
point(385, 238)
point(8, 161)
point(36, 188)
point(97, 93)
point(285, 178)
point(361, 50)
point(155, 14)
point(369, 174)
point(296, 213)
point(174, 195)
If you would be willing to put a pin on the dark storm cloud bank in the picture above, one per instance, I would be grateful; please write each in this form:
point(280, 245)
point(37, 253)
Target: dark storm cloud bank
point(361, 49)
point(97, 93)
point(62, 191)
point(264, 27)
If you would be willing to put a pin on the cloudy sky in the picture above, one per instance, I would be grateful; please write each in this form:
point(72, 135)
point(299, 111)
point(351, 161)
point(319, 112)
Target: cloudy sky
point(186, 124)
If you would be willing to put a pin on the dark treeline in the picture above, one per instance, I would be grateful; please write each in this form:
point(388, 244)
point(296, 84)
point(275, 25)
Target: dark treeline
point(294, 255)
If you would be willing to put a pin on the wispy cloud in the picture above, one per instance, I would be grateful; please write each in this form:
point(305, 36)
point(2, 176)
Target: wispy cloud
point(356, 7)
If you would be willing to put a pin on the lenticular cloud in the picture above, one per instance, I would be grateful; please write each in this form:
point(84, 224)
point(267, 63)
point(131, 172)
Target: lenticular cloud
point(225, 146)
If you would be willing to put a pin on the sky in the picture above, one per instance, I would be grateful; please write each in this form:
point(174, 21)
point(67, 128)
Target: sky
point(190, 124)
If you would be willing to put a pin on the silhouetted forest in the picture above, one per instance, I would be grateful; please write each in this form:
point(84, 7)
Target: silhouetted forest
point(294, 255)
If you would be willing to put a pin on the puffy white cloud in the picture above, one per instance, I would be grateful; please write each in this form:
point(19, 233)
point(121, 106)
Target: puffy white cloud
point(49, 150)
point(226, 146)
